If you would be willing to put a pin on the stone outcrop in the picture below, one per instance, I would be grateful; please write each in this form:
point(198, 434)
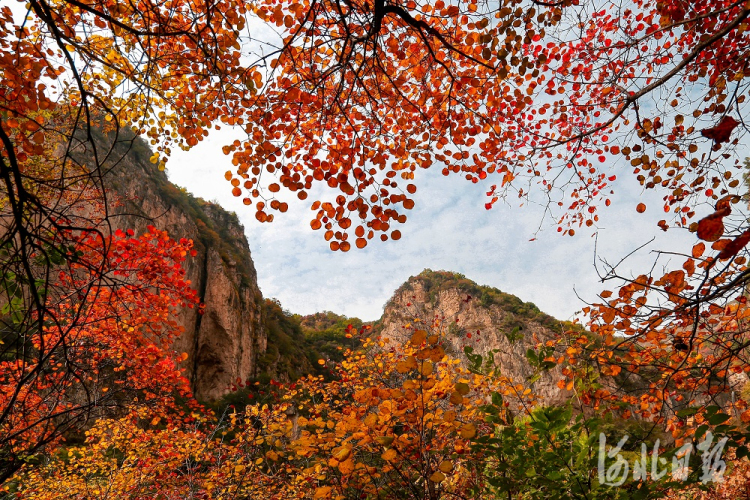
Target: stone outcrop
point(225, 342)
point(481, 317)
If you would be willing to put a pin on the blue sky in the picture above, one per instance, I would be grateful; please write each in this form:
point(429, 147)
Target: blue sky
point(448, 229)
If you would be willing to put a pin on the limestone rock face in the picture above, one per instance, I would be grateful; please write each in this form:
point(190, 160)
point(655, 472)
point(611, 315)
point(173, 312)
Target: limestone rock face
point(479, 317)
point(224, 343)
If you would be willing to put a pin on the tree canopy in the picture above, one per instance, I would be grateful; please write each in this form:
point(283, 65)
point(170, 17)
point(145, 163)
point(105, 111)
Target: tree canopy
point(540, 96)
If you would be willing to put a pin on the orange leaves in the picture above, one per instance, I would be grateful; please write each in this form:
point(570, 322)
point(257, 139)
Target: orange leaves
point(435, 353)
point(418, 337)
point(369, 427)
point(711, 228)
point(732, 248)
point(446, 466)
point(437, 477)
point(384, 401)
point(406, 365)
point(117, 334)
point(689, 266)
point(456, 398)
point(323, 492)
point(608, 314)
point(698, 249)
point(468, 430)
point(673, 282)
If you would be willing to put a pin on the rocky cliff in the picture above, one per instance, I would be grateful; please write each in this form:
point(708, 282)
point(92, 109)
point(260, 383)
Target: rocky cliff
point(478, 316)
point(225, 343)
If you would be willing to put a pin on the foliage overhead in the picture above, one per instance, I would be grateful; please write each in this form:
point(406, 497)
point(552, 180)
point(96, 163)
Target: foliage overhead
point(361, 97)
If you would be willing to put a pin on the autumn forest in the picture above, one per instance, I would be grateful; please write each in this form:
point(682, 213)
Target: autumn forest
point(139, 358)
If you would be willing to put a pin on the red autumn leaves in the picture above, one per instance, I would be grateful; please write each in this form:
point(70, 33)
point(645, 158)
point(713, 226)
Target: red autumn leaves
point(711, 228)
point(721, 132)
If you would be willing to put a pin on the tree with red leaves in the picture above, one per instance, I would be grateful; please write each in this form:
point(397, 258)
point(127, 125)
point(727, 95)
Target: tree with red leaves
point(104, 344)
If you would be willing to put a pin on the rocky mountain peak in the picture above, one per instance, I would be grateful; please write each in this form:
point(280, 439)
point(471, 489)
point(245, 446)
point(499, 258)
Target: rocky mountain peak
point(482, 317)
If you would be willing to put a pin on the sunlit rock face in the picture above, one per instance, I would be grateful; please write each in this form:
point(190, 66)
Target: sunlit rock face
point(224, 343)
point(481, 317)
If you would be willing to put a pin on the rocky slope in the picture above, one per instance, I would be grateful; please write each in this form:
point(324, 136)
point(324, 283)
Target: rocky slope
point(479, 316)
point(225, 343)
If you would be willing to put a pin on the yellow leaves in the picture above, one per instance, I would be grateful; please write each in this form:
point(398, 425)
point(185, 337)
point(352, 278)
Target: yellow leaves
point(342, 453)
point(445, 466)
point(323, 492)
point(384, 440)
point(426, 368)
point(468, 430)
point(437, 477)
point(371, 420)
point(369, 414)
